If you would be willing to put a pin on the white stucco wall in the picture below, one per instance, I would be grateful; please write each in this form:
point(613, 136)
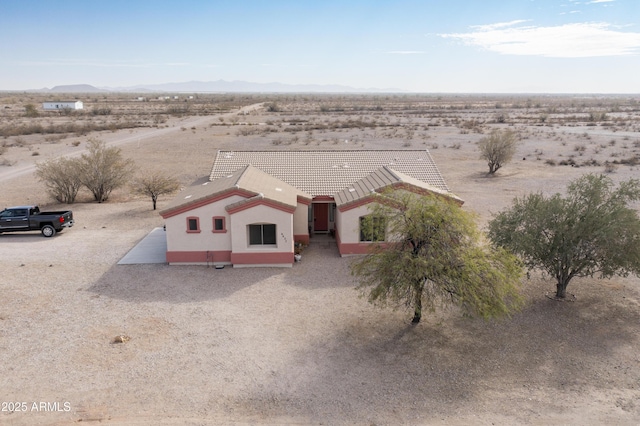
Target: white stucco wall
point(348, 224)
point(178, 239)
point(256, 215)
point(301, 220)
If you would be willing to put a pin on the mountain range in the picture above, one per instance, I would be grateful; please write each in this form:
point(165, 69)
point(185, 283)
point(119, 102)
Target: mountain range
point(219, 86)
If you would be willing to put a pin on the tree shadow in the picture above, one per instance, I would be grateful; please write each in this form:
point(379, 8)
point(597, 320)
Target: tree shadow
point(386, 371)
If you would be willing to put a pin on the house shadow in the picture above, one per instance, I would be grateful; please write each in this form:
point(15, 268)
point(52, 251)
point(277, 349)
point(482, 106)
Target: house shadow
point(177, 284)
point(321, 267)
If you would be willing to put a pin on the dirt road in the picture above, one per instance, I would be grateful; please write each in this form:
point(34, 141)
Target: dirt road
point(125, 136)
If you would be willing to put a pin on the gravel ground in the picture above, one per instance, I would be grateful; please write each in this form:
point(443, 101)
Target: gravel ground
point(293, 346)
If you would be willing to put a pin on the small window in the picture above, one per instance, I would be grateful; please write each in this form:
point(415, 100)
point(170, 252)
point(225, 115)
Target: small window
point(332, 212)
point(193, 224)
point(263, 234)
point(219, 224)
point(372, 228)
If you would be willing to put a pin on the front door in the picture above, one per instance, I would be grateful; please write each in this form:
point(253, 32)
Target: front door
point(321, 217)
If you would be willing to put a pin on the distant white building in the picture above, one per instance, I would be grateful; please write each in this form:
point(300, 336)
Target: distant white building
point(58, 105)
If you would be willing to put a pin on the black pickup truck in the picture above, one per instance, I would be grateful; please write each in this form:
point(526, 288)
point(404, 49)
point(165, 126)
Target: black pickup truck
point(30, 218)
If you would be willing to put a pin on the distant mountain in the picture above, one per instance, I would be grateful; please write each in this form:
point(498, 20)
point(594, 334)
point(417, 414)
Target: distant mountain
point(76, 88)
point(245, 87)
point(219, 86)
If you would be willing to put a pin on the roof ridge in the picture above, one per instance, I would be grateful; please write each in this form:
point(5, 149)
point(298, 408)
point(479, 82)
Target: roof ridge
point(242, 174)
point(392, 172)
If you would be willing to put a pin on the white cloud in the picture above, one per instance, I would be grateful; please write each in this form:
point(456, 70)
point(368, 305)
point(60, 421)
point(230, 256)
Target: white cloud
point(499, 25)
point(600, 1)
point(580, 40)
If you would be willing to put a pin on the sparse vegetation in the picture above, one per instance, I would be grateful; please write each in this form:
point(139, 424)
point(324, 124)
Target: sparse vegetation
point(61, 178)
point(591, 231)
point(155, 184)
point(498, 148)
point(103, 169)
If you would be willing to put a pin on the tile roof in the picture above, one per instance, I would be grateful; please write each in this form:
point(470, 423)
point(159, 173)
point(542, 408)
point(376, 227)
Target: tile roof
point(379, 179)
point(247, 178)
point(327, 172)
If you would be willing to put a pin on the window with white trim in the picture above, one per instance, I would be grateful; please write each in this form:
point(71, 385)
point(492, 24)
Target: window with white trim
point(372, 228)
point(262, 234)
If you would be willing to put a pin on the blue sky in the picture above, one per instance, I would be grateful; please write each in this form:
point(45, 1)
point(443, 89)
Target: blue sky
point(479, 46)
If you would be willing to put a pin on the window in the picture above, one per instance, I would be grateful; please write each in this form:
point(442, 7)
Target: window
point(372, 228)
point(219, 224)
point(332, 212)
point(263, 234)
point(193, 225)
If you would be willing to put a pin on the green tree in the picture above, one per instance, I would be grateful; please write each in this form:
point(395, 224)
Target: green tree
point(498, 148)
point(103, 169)
point(591, 231)
point(61, 178)
point(154, 184)
point(433, 255)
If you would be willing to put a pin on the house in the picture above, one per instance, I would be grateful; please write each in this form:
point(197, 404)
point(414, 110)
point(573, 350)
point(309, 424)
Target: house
point(62, 105)
point(257, 204)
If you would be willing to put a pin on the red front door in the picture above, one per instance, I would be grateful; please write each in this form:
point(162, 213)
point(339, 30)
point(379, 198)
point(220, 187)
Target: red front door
point(321, 217)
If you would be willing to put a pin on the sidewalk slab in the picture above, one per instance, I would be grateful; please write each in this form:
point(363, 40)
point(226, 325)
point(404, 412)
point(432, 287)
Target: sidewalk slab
point(151, 249)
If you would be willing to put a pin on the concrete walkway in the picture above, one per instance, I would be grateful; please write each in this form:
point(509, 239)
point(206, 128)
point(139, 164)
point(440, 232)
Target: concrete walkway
point(151, 249)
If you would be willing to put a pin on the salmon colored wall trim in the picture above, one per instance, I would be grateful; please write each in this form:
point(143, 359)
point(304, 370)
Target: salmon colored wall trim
point(261, 202)
point(355, 204)
point(198, 256)
point(224, 225)
point(323, 198)
point(303, 238)
point(354, 248)
point(261, 258)
point(216, 197)
point(193, 231)
point(303, 200)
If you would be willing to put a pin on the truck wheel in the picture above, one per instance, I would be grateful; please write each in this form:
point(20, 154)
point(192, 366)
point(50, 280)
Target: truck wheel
point(48, 231)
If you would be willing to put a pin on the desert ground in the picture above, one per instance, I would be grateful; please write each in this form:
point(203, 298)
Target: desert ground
point(300, 345)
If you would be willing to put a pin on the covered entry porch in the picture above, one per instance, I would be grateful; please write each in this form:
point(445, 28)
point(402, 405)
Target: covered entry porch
point(322, 216)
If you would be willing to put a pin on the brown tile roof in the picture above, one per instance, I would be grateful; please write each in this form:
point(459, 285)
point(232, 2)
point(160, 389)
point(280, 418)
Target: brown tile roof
point(247, 178)
point(327, 172)
point(379, 179)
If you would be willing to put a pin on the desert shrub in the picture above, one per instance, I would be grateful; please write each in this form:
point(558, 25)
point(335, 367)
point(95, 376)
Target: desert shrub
point(272, 107)
point(30, 110)
point(609, 167)
point(103, 110)
point(103, 169)
point(154, 184)
point(498, 148)
point(61, 178)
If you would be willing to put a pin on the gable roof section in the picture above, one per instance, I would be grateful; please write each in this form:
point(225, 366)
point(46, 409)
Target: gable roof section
point(247, 181)
point(382, 178)
point(327, 172)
